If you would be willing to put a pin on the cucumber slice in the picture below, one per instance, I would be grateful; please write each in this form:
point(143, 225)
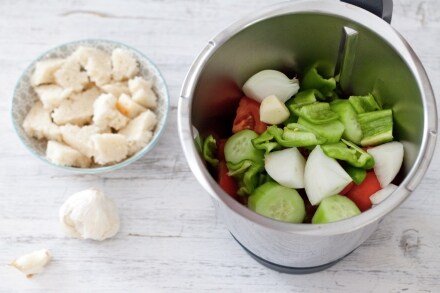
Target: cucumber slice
point(239, 148)
point(348, 117)
point(377, 127)
point(331, 131)
point(335, 208)
point(278, 202)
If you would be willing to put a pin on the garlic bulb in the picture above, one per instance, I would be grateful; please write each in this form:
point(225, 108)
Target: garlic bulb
point(270, 82)
point(88, 214)
point(32, 263)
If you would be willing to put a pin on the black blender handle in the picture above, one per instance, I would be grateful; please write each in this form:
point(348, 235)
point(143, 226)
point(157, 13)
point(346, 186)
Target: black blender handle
point(381, 8)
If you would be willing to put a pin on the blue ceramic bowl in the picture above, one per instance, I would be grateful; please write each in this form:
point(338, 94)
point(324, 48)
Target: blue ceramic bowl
point(25, 97)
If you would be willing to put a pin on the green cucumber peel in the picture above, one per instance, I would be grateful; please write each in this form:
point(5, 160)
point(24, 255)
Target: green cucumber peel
point(239, 147)
point(278, 202)
point(335, 208)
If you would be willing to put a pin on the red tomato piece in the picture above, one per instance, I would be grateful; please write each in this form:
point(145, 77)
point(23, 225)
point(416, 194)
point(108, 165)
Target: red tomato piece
point(226, 182)
point(360, 194)
point(347, 188)
point(248, 116)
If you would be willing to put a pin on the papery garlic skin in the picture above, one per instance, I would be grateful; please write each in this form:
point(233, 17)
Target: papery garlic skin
point(88, 214)
point(32, 263)
point(270, 82)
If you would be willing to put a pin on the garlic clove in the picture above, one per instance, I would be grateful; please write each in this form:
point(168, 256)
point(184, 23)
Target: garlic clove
point(270, 82)
point(32, 263)
point(273, 111)
point(88, 214)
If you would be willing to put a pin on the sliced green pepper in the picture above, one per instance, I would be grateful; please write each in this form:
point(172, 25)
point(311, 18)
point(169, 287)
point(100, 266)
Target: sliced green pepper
point(248, 175)
point(357, 174)
point(300, 136)
point(349, 152)
point(266, 141)
point(317, 113)
point(363, 104)
point(348, 117)
point(313, 80)
point(209, 151)
point(331, 131)
point(377, 127)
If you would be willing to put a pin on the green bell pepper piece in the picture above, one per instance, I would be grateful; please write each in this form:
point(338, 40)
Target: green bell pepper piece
point(248, 175)
point(349, 152)
point(377, 127)
point(363, 104)
point(331, 131)
point(209, 151)
point(313, 80)
point(357, 174)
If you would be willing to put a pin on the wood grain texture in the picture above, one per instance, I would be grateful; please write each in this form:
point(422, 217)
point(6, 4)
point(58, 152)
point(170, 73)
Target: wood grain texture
point(170, 239)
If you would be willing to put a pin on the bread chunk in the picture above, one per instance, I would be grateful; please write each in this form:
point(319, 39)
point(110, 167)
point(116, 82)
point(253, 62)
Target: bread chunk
point(109, 148)
point(45, 70)
point(139, 131)
point(69, 75)
point(78, 109)
point(97, 64)
point(124, 64)
point(116, 89)
point(79, 137)
point(63, 155)
point(105, 113)
point(128, 107)
point(39, 125)
point(52, 95)
point(145, 98)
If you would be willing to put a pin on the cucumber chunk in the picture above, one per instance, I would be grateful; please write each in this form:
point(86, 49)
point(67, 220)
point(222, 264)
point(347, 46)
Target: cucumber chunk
point(335, 208)
point(239, 147)
point(348, 117)
point(278, 202)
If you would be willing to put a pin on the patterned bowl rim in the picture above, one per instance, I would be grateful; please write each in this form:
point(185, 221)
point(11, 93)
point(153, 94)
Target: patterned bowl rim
point(160, 128)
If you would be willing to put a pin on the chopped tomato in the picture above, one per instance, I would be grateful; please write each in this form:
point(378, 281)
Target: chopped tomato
point(226, 182)
point(360, 194)
point(347, 188)
point(248, 116)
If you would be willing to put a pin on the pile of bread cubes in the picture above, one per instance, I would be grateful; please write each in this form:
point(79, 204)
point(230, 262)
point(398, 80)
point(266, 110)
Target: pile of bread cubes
point(94, 108)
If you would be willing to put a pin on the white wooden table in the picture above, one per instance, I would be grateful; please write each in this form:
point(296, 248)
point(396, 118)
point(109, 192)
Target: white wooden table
point(170, 240)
